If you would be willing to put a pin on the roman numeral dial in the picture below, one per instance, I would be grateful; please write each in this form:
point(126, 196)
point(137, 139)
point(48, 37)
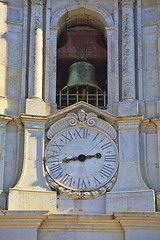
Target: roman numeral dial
point(81, 158)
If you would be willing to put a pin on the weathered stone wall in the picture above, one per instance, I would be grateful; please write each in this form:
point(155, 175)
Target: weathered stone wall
point(132, 33)
point(28, 69)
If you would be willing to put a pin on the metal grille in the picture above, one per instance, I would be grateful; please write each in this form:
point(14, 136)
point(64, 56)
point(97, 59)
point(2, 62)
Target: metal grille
point(66, 99)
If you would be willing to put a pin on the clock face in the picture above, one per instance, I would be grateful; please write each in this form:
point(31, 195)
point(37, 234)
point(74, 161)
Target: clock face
point(81, 158)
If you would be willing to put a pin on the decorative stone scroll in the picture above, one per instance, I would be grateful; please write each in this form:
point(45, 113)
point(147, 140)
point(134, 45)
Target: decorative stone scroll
point(82, 118)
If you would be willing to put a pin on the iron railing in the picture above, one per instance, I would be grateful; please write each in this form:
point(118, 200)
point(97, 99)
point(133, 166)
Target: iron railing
point(66, 99)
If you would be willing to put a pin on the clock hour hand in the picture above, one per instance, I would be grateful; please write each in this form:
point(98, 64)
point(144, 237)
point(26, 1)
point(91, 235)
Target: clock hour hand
point(97, 155)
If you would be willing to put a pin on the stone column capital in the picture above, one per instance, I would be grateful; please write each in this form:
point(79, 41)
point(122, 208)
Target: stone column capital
point(37, 2)
point(127, 2)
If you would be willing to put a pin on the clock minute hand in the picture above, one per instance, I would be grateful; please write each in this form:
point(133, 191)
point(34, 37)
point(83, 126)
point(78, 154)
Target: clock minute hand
point(66, 160)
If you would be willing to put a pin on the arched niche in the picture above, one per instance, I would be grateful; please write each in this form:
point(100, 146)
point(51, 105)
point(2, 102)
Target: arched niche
point(86, 15)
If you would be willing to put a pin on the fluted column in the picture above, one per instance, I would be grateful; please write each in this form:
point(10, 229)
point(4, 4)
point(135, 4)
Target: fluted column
point(128, 49)
point(36, 48)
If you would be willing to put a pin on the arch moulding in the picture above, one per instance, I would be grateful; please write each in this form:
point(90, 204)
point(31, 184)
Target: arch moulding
point(87, 13)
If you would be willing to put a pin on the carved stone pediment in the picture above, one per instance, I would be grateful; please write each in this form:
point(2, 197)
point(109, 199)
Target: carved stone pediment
point(103, 114)
point(82, 118)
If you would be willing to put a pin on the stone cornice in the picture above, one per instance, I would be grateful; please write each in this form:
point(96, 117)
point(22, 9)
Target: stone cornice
point(33, 119)
point(25, 219)
point(129, 121)
point(72, 222)
point(138, 220)
point(4, 119)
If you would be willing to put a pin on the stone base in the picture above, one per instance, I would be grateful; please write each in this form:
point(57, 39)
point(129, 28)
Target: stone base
point(3, 200)
point(32, 200)
point(3, 105)
point(138, 201)
point(158, 201)
point(128, 107)
point(35, 107)
point(89, 206)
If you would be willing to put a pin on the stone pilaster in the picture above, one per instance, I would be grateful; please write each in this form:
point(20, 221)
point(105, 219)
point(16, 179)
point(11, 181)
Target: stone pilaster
point(157, 122)
point(35, 105)
point(3, 56)
point(158, 18)
point(24, 56)
point(110, 64)
point(53, 68)
point(3, 125)
point(36, 46)
point(47, 54)
point(32, 192)
point(116, 47)
point(130, 193)
point(128, 49)
point(139, 48)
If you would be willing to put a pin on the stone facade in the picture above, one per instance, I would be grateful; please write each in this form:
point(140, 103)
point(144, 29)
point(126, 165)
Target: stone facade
point(29, 37)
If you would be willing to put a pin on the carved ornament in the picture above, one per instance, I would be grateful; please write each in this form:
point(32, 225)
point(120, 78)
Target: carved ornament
point(38, 2)
point(127, 2)
point(82, 118)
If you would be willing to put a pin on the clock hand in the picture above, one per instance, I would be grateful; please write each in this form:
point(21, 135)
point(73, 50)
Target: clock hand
point(97, 155)
point(66, 160)
point(81, 158)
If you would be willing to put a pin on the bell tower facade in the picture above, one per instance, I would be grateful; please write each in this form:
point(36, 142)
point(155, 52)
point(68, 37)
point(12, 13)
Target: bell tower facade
point(79, 119)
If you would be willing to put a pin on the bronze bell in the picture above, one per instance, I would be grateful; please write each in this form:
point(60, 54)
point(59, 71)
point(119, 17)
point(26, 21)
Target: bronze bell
point(82, 75)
